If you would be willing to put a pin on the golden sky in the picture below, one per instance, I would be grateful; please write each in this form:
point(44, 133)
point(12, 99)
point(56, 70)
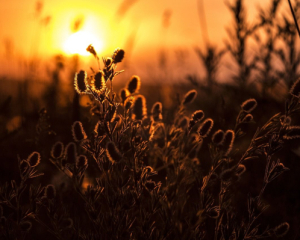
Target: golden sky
point(23, 34)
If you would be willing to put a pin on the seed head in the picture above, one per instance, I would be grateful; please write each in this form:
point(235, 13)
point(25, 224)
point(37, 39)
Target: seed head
point(57, 150)
point(81, 162)
point(78, 132)
point(295, 89)
point(71, 153)
point(98, 82)
point(248, 118)
point(189, 97)
point(34, 159)
point(112, 152)
point(50, 192)
point(108, 61)
point(118, 55)
point(218, 137)
point(124, 93)
point(134, 84)
point(139, 109)
point(249, 105)
point(25, 226)
point(91, 50)
point(197, 115)
point(80, 82)
point(228, 141)
point(240, 169)
point(156, 112)
point(205, 127)
point(282, 229)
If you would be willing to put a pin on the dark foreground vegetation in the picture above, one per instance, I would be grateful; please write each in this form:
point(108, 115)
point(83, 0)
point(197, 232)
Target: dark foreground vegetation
point(219, 162)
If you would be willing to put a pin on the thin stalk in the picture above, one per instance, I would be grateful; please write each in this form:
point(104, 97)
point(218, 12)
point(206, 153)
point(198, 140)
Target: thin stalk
point(294, 16)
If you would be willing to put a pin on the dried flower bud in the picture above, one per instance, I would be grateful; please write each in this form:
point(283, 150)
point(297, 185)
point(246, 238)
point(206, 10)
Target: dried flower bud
point(78, 132)
point(25, 226)
point(218, 137)
point(112, 152)
point(228, 141)
point(205, 127)
point(139, 109)
point(71, 153)
point(124, 93)
point(81, 162)
point(249, 105)
point(197, 115)
point(134, 84)
point(80, 82)
point(50, 192)
point(34, 159)
point(295, 89)
point(189, 97)
point(57, 150)
point(281, 230)
point(98, 82)
point(248, 118)
point(118, 55)
point(156, 112)
point(91, 50)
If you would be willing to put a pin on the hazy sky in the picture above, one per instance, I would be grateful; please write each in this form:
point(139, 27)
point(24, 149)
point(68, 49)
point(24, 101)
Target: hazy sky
point(154, 25)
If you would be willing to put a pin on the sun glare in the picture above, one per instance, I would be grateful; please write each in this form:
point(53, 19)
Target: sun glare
point(77, 43)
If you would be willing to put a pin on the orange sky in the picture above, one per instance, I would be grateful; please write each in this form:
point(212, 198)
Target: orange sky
point(22, 33)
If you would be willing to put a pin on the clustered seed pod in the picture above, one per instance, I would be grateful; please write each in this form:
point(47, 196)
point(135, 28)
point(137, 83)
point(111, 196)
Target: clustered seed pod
point(81, 162)
point(228, 141)
point(98, 82)
point(139, 109)
point(156, 112)
point(295, 89)
point(50, 192)
point(248, 118)
point(34, 159)
point(71, 153)
point(282, 229)
point(218, 137)
point(80, 83)
point(249, 105)
point(57, 150)
point(118, 55)
point(124, 93)
point(134, 84)
point(205, 127)
point(112, 152)
point(25, 226)
point(78, 132)
point(189, 97)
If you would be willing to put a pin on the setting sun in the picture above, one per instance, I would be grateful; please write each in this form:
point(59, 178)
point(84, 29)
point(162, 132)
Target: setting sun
point(77, 43)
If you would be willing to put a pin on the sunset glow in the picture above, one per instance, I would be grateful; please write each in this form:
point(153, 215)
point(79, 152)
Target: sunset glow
point(78, 42)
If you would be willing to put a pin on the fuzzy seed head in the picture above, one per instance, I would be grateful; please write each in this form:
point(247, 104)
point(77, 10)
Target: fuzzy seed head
point(156, 112)
point(112, 152)
point(205, 127)
point(81, 162)
point(98, 82)
point(282, 229)
point(197, 115)
point(118, 55)
point(50, 192)
point(248, 118)
point(189, 97)
point(71, 153)
point(57, 150)
point(78, 132)
point(124, 93)
point(134, 84)
point(228, 141)
point(25, 226)
point(139, 109)
point(218, 137)
point(295, 89)
point(249, 105)
point(80, 83)
point(34, 159)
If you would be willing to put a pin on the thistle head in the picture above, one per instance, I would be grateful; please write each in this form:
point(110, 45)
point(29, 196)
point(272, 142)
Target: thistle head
point(78, 132)
point(134, 84)
point(189, 97)
point(34, 159)
point(80, 82)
